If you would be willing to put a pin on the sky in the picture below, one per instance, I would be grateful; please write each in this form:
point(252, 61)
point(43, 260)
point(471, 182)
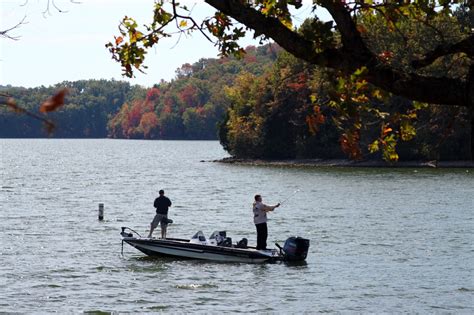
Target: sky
point(67, 46)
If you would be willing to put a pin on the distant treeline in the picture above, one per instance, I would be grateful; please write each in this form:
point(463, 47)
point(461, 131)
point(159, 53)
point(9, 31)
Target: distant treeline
point(191, 105)
point(89, 105)
point(188, 107)
point(266, 105)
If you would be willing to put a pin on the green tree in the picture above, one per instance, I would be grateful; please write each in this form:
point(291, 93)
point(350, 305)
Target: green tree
point(88, 105)
point(342, 44)
point(270, 115)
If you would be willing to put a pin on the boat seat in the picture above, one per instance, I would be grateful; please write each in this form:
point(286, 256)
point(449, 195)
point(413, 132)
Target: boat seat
point(217, 237)
point(243, 243)
point(198, 238)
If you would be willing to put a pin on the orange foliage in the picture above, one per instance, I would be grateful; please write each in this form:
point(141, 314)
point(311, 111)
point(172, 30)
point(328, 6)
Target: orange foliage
point(167, 109)
point(350, 144)
point(148, 124)
point(118, 40)
point(153, 95)
point(315, 120)
point(54, 102)
point(386, 131)
point(189, 96)
point(135, 114)
point(132, 120)
point(250, 58)
point(300, 84)
point(296, 86)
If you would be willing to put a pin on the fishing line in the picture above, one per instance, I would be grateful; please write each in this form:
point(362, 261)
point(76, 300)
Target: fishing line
point(287, 198)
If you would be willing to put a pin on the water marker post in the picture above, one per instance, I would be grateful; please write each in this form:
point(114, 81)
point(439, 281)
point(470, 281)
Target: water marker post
point(101, 211)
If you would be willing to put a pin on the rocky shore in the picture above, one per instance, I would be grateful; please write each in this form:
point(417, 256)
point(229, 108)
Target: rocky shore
point(347, 163)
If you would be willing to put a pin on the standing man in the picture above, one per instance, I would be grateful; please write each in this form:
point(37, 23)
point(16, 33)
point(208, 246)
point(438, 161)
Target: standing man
point(161, 204)
point(260, 219)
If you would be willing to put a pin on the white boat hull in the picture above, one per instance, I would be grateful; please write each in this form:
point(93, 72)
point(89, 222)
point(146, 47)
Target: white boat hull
point(185, 249)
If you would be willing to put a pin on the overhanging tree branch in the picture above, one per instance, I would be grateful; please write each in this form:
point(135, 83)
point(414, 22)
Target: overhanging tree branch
point(5, 34)
point(273, 28)
point(353, 55)
point(464, 46)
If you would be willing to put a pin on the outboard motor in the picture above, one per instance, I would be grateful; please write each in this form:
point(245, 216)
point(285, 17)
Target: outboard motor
point(296, 248)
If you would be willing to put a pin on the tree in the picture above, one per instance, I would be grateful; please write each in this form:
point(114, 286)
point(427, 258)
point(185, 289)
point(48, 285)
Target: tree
point(77, 109)
point(270, 114)
point(342, 44)
point(149, 125)
point(191, 105)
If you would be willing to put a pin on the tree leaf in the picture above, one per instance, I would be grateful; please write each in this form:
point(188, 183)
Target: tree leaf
point(118, 40)
point(54, 102)
point(374, 146)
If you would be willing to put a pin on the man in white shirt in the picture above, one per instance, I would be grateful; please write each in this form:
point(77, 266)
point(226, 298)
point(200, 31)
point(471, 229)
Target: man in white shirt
point(260, 219)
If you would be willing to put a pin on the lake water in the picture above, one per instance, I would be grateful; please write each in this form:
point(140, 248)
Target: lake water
point(382, 240)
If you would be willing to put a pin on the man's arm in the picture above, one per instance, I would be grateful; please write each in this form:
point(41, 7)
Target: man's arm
point(270, 208)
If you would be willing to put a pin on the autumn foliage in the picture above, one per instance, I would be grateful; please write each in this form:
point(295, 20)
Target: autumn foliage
point(54, 102)
point(294, 110)
point(191, 106)
point(267, 105)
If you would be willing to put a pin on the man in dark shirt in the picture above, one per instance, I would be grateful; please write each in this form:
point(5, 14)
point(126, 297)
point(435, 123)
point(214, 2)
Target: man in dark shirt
point(161, 204)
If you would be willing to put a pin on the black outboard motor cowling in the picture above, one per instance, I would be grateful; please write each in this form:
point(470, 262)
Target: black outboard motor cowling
point(296, 248)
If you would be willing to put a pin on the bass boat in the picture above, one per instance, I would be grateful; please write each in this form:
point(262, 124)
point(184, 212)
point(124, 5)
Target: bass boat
point(218, 247)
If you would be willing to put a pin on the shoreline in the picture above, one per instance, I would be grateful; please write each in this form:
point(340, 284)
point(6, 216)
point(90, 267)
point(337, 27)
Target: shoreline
point(345, 163)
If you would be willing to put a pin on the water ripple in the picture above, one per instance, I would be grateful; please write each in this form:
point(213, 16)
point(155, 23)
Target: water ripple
point(382, 240)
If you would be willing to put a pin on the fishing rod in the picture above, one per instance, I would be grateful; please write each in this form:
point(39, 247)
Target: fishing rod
point(287, 198)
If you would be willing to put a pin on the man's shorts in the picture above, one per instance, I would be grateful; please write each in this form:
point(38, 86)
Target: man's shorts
point(161, 219)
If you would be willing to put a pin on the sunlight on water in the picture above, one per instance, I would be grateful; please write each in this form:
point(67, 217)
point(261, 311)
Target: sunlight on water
point(382, 240)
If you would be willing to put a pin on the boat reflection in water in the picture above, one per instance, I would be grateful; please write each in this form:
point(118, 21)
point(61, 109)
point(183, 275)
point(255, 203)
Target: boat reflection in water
point(218, 247)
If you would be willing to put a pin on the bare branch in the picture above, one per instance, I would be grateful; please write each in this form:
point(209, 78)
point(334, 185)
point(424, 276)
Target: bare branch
point(5, 34)
point(57, 8)
point(53, 3)
point(194, 24)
